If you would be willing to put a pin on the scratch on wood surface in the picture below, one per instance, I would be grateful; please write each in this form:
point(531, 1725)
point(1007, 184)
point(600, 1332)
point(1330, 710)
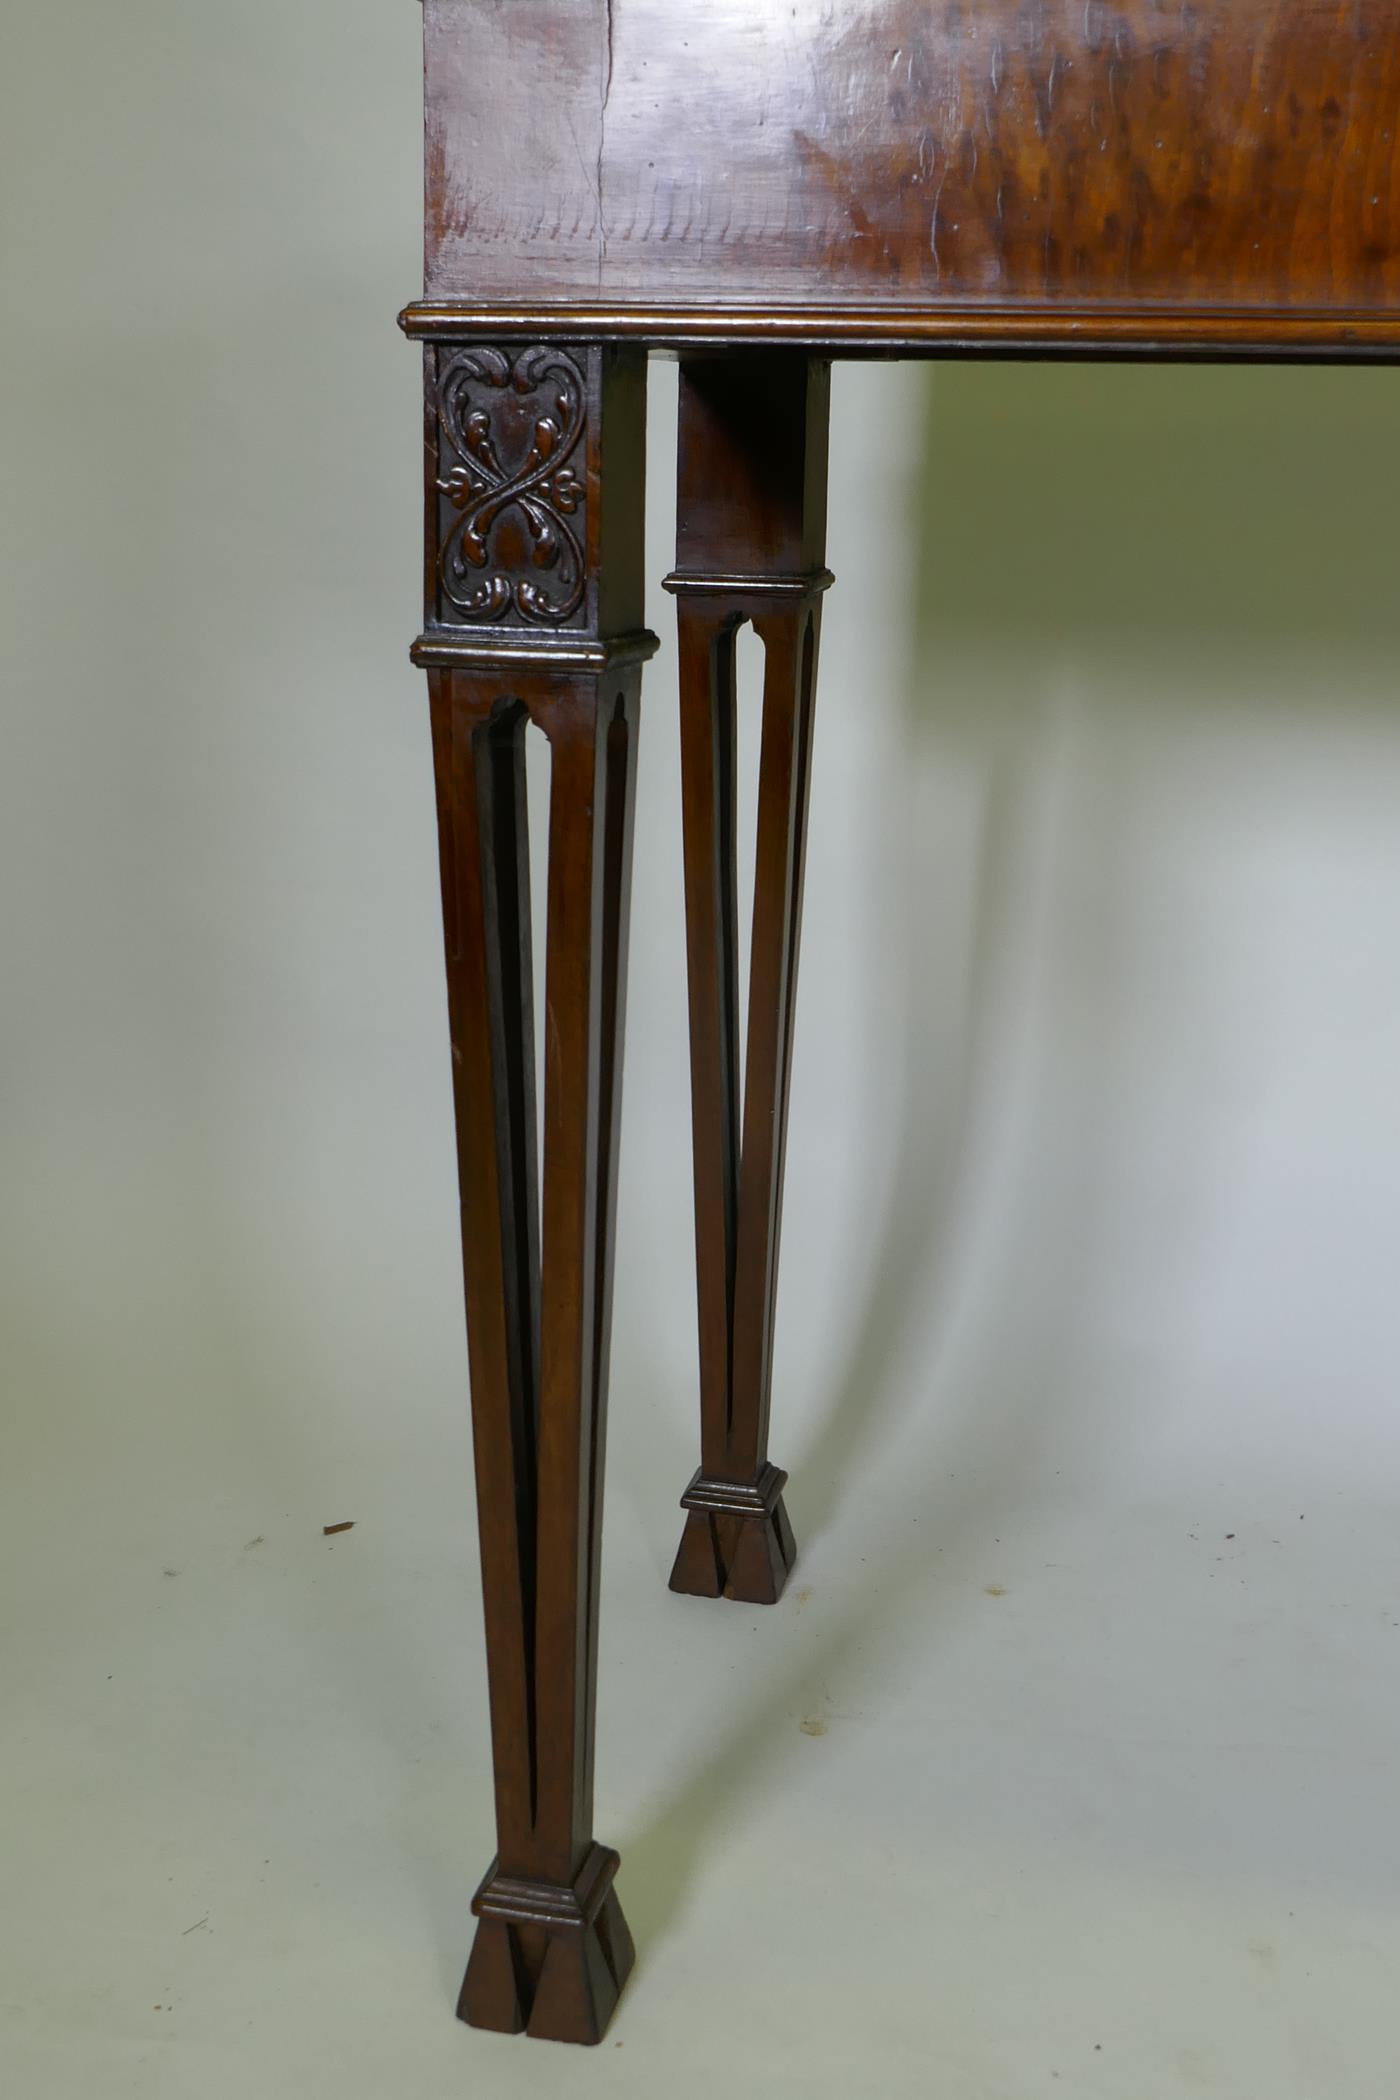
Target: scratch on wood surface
point(933, 224)
point(602, 141)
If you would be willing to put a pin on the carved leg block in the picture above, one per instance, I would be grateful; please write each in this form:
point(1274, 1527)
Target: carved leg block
point(750, 547)
point(534, 591)
point(547, 1961)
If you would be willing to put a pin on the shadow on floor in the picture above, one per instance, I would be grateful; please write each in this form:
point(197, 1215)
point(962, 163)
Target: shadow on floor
point(1062, 514)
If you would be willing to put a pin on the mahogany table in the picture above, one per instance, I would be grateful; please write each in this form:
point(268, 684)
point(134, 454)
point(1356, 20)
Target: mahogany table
point(756, 186)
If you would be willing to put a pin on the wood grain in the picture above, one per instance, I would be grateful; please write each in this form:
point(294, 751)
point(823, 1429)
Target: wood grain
point(1221, 157)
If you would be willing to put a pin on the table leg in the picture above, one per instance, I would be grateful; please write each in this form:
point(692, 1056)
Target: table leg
point(552, 1949)
point(750, 547)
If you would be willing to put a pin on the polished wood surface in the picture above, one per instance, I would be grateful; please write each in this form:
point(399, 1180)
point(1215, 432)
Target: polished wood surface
point(1197, 170)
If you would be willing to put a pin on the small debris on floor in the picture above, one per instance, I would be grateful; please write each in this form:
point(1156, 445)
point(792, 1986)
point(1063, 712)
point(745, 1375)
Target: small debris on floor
point(329, 1530)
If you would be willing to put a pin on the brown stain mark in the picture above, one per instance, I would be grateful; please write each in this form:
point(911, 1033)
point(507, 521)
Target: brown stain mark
point(835, 176)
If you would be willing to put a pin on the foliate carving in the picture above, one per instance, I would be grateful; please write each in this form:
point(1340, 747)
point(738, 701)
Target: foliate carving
point(511, 491)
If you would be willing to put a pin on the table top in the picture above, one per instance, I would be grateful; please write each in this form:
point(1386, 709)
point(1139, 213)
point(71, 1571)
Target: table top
point(1161, 176)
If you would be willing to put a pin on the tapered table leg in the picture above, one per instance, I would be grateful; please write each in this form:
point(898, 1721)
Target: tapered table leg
point(750, 547)
point(533, 577)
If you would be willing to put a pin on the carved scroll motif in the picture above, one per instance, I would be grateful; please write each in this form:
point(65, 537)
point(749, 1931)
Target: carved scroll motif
point(511, 525)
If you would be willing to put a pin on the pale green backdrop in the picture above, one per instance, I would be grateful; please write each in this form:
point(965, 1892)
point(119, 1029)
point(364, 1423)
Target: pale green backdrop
point(1071, 1756)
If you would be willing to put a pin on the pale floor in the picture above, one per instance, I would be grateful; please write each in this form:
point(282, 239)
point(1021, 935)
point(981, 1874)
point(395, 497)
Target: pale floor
point(1023, 1789)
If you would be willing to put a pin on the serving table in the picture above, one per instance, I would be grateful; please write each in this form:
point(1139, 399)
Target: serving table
point(755, 187)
